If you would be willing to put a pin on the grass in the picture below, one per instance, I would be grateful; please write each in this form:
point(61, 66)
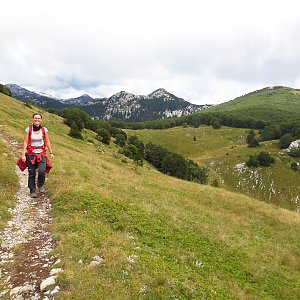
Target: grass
point(8, 183)
point(160, 237)
point(223, 150)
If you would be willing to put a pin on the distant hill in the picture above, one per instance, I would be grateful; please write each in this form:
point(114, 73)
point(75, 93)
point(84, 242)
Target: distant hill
point(271, 104)
point(122, 106)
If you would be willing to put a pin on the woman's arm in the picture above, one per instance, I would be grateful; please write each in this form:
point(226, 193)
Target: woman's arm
point(25, 143)
point(48, 144)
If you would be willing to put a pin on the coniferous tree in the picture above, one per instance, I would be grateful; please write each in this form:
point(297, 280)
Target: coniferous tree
point(251, 139)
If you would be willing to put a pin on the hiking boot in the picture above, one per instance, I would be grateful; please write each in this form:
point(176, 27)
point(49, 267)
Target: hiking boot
point(42, 189)
point(33, 194)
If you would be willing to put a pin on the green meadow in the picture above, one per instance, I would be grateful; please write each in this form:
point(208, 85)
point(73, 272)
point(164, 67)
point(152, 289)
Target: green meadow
point(224, 150)
point(160, 237)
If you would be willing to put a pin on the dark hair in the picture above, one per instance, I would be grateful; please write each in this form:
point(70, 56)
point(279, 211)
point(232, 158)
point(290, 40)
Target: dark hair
point(37, 114)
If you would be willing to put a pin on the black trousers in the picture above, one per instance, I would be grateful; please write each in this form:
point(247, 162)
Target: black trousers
point(41, 167)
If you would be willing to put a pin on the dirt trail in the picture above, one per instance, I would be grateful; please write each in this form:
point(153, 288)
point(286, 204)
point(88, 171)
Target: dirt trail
point(26, 244)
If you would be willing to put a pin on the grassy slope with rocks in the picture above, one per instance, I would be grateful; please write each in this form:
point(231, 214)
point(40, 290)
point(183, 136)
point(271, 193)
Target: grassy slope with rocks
point(8, 183)
point(160, 237)
point(225, 150)
point(277, 104)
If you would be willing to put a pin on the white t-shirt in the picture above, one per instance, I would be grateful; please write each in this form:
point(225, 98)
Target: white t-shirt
point(37, 139)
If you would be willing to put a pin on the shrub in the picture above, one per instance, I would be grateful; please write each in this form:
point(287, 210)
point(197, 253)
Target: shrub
point(271, 132)
point(294, 152)
point(103, 135)
point(265, 159)
point(75, 132)
point(251, 139)
point(215, 183)
point(216, 123)
point(134, 153)
point(174, 164)
point(286, 140)
point(154, 154)
point(196, 173)
point(294, 166)
point(252, 161)
point(120, 140)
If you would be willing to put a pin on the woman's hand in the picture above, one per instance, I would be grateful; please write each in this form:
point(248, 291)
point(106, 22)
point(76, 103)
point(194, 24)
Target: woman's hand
point(52, 155)
point(23, 158)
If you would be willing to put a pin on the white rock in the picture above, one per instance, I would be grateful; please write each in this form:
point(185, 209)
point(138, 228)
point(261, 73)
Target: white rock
point(57, 262)
point(15, 290)
point(94, 263)
point(99, 259)
point(80, 261)
point(26, 288)
point(293, 145)
point(56, 290)
point(55, 271)
point(47, 282)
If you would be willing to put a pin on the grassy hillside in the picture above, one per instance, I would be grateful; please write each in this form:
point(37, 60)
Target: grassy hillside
point(160, 237)
point(224, 150)
point(269, 105)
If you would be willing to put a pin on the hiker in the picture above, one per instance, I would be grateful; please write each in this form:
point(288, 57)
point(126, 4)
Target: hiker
point(36, 140)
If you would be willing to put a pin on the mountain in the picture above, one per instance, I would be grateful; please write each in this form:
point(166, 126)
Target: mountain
point(38, 99)
point(126, 106)
point(122, 106)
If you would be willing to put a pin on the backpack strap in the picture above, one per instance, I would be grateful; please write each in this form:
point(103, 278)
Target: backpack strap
point(44, 135)
point(29, 135)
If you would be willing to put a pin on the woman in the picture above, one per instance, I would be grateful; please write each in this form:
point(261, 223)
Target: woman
point(36, 140)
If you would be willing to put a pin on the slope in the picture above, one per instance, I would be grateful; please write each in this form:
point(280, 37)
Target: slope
point(273, 104)
point(159, 237)
point(225, 151)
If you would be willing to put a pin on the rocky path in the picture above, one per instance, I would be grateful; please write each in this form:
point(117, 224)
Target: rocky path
point(27, 268)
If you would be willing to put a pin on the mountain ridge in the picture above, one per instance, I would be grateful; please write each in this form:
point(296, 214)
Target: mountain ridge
point(122, 106)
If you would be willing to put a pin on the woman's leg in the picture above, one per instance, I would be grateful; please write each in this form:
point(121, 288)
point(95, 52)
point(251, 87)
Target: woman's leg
point(31, 173)
point(41, 172)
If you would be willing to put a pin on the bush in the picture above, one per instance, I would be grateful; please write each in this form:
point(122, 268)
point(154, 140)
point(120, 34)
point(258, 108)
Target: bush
point(103, 135)
point(75, 132)
point(271, 132)
point(294, 166)
point(265, 159)
point(154, 154)
point(196, 173)
point(134, 153)
point(286, 140)
point(174, 164)
point(295, 152)
point(215, 183)
point(120, 140)
point(215, 122)
point(251, 139)
point(252, 161)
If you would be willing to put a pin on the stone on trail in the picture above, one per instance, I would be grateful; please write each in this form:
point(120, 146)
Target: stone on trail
point(47, 282)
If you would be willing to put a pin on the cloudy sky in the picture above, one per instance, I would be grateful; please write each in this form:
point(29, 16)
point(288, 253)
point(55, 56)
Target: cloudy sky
point(208, 51)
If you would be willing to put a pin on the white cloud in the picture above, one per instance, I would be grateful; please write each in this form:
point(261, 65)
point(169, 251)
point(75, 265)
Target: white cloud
point(203, 51)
